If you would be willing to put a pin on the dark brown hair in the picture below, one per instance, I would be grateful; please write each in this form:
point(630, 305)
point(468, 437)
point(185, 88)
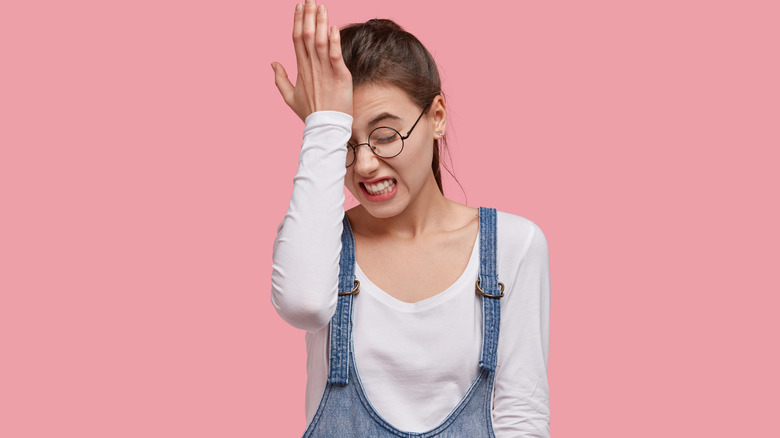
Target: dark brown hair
point(380, 51)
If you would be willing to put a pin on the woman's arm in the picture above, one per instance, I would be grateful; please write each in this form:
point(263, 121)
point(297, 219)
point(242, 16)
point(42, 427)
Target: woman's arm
point(307, 245)
point(308, 241)
point(521, 398)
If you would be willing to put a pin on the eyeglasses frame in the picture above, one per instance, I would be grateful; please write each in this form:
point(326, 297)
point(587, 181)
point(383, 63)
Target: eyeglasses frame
point(372, 148)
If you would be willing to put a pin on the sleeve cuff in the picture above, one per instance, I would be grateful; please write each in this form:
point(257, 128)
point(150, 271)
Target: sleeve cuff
point(320, 118)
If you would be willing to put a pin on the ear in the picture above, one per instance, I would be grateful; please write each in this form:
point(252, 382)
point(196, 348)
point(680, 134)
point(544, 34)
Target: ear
point(439, 112)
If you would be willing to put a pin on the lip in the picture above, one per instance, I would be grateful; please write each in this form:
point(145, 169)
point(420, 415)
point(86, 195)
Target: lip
point(378, 198)
point(374, 181)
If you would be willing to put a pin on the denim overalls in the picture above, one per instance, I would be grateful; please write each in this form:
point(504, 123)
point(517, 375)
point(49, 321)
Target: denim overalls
point(344, 410)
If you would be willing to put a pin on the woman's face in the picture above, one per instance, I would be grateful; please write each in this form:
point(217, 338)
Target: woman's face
point(385, 187)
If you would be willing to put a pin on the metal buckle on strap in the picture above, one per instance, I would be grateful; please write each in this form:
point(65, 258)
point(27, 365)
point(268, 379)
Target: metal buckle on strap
point(481, 292)
point(357, 286)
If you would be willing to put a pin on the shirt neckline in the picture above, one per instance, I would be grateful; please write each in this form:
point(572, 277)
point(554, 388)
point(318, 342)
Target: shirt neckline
point(468, 275)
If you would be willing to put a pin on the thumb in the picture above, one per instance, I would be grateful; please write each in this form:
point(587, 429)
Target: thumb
point(283, 83)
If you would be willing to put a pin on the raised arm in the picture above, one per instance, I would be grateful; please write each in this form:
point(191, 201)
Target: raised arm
point(307, 245)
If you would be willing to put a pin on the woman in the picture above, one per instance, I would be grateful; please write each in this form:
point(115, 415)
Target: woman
point(405, 296)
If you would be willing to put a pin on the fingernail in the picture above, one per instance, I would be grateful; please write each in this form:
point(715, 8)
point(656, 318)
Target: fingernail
point(273, 67)
point(321, 9)
point(309, 2)
point(298, 7)
point(334, 31)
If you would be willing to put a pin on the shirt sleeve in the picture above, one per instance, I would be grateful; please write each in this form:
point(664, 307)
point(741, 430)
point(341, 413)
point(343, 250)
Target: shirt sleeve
point(521, 397)
point(307, 247)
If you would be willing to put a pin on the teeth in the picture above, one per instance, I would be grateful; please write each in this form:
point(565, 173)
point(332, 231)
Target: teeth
point(380, 188)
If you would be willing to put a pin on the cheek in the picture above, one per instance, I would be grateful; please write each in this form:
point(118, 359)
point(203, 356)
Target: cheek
point(348, 183)
point(417, 165)
point(424, 156)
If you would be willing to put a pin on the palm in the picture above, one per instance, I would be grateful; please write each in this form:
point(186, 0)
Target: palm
point(323, 82)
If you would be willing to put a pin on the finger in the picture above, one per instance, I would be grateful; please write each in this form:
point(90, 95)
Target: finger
point(336, 58)
point(321, 35)
point(286, 88)
point(297, 36)
point(309, 15)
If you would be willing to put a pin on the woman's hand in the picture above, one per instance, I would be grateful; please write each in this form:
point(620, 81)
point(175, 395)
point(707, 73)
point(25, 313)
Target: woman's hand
point(324, 82)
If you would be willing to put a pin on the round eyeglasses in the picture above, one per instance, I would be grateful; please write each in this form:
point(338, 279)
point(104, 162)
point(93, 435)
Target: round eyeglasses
point(384, 142)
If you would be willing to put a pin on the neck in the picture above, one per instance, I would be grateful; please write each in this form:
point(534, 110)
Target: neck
point(427, 213)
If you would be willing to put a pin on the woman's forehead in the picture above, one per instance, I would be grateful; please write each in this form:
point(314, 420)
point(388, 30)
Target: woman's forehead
point(371, 101)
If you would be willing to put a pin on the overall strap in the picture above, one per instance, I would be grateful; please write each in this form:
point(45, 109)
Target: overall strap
point(341, 323)
point(489, 288)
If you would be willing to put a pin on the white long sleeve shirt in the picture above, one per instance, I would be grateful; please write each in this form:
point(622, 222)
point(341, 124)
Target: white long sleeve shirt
point(415, 360)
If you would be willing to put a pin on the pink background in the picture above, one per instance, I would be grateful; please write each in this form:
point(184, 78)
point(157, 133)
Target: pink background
point(147, 159)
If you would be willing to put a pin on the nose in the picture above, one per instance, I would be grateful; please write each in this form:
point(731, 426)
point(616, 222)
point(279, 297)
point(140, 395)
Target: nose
point(366, 162)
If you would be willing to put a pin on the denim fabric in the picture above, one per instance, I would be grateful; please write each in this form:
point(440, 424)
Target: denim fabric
point(488, 280)
point(344, 410)
point(341, 323)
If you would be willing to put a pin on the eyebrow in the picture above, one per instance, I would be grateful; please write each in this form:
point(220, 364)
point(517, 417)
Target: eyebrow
point(383, 116)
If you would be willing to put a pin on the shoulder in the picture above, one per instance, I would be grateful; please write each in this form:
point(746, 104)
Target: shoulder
point(518, 238)
point(523, 261)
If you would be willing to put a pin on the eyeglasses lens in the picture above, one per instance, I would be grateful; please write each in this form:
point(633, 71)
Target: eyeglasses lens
point(384, 142)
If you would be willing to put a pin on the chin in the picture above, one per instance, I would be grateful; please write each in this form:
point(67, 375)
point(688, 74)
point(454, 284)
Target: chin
point(383, 211)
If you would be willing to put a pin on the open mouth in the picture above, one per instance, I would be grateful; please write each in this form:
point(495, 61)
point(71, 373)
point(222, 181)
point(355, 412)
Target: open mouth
point(380, 188)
